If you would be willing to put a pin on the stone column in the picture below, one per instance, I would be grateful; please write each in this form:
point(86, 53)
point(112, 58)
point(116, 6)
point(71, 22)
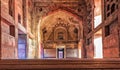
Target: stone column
point(81, 49)
point(0, 30)
point(119, 25)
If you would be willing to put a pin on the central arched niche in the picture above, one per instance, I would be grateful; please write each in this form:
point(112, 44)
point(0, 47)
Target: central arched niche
point(61, 28)
point(60, 34)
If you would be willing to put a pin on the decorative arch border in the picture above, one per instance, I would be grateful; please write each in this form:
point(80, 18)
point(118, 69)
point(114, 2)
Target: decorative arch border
point(69, 11)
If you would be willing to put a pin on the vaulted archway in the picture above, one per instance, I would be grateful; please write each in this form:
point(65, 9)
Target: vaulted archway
point(36, 29)
point(61, 28)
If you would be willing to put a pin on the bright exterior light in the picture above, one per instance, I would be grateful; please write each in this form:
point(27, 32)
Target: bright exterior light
point(97, 21)
point(97, 13)
point(98, 48)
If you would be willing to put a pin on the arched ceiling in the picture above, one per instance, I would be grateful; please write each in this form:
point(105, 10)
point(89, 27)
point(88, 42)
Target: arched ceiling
point(60, 19)
point(43, 7)
point(60, 16)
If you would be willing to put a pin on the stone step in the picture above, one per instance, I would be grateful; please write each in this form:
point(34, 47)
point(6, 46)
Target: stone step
point(60, 64)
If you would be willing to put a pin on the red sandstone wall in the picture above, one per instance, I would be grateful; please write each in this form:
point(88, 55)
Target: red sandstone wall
point(111, 42)
point(90, 51)
point(9, 42)
point(18, 10)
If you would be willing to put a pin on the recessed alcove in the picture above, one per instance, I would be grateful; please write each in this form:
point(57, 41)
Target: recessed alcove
point(59, 35)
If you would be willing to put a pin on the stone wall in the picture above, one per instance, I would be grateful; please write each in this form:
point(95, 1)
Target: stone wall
point(90, 51)
point(111, 42)
point(8, 41)
point(111, 19)
point(10, 26)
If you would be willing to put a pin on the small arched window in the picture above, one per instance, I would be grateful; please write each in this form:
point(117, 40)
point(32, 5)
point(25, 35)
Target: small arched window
point(76, 30)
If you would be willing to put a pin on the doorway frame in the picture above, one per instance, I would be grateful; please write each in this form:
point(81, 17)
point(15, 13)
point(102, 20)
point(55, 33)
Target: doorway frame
point(60, 47)
point(20, 32)
point(62, 50)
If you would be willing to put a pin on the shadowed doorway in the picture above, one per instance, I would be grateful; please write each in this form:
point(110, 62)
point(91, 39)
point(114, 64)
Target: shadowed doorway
point(60, 52)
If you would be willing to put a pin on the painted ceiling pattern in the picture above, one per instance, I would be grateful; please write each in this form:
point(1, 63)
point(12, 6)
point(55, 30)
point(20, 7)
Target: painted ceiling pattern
point(60, 20)
point(44, 8)
point(77, 7)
